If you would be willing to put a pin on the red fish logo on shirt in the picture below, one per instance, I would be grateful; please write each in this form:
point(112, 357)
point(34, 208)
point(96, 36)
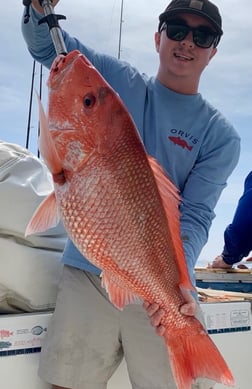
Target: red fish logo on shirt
point(180, 142)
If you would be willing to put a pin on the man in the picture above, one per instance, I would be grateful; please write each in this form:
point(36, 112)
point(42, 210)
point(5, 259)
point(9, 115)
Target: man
point(238, 234)
point(198, 149)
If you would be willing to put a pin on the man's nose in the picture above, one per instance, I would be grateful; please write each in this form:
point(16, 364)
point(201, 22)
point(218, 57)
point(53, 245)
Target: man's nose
point(188, 40)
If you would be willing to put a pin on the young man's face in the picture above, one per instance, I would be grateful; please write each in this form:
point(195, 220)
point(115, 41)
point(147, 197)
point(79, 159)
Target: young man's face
point(184, 58)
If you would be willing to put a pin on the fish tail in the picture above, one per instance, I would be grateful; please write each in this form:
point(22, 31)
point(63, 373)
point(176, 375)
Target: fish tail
point(195, 355)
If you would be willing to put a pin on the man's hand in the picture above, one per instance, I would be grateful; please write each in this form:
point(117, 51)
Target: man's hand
point(36, 5)
point(156, 314)
point(218, 263)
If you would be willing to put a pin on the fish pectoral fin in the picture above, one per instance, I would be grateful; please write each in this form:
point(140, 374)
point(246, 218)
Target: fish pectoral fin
point(171, 200)
point(45, 217)
point(46, 143)
point(118, 295)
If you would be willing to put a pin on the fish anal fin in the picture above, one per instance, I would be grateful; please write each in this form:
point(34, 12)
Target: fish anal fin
point(171, 200)
point(45, 217)
point(118, 295)
point(194, 355)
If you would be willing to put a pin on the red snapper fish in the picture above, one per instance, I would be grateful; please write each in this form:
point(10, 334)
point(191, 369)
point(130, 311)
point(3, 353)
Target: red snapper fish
point(119, 209)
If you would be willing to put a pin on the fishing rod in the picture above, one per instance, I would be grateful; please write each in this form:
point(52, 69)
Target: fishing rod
point(30, 107)
point(31, 102)
point(52, 21)
point(120, 31)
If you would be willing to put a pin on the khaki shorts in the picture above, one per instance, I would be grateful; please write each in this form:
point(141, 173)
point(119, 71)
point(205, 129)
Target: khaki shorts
point(88, 337)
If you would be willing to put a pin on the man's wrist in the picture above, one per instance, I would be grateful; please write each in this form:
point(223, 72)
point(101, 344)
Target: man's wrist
point(229, 259)
point(38, 8)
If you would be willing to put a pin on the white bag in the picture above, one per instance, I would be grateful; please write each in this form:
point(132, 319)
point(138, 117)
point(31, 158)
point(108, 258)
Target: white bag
point(30, 267)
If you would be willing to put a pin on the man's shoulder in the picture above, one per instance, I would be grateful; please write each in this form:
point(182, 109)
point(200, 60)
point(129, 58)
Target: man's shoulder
point(218, 120)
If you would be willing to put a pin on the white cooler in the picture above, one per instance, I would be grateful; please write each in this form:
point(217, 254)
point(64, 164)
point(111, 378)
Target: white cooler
point(21, 336)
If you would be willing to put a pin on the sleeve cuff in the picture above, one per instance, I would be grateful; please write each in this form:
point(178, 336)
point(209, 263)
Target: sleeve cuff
point(230, 259)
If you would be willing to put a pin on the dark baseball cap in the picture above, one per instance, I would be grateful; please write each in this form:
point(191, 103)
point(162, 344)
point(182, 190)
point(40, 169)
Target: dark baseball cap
point(203, 8)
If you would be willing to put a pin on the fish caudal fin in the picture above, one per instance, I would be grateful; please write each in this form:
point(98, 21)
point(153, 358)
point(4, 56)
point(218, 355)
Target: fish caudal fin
point(195, 355)
point(45, 217)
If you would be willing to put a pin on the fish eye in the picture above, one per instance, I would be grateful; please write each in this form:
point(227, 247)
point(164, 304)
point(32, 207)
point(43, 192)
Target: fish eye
point(89, 100)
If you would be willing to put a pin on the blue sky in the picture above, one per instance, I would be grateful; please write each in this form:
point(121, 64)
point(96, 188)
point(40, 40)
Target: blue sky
point(226, 83)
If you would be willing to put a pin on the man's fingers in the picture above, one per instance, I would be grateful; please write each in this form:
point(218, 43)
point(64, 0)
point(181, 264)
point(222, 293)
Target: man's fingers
point(152, 309)
point(160, 330)
point(188, 309)
point(146, 305)
point(155, 314)
point(155, 318)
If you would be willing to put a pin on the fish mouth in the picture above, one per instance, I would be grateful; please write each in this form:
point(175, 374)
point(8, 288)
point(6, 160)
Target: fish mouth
point(62, 65)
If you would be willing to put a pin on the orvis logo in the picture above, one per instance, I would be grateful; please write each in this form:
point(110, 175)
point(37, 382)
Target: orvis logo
point(183, 139)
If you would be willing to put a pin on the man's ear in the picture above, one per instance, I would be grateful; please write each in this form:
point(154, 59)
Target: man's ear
point(157, 40)
point(214, 51)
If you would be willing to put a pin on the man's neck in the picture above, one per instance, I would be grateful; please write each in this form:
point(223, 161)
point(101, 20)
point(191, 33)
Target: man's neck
point(179, 84)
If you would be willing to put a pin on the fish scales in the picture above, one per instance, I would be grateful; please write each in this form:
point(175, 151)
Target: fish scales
point(112, 196)
point(120, 209)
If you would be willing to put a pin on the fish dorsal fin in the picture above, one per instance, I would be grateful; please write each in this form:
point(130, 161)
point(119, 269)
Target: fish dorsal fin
point(118, 296)
point(45, 217)
point(171, 200)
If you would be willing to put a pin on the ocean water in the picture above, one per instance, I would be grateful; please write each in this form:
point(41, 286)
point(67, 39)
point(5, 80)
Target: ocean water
point(202, 263)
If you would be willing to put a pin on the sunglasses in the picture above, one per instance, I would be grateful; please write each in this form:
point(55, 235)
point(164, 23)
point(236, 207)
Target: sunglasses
point(203, 36)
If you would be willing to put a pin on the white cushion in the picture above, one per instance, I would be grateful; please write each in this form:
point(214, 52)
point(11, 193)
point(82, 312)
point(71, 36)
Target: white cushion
point(30, 267)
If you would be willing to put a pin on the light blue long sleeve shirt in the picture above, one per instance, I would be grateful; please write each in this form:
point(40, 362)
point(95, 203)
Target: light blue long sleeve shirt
point(197, 147)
